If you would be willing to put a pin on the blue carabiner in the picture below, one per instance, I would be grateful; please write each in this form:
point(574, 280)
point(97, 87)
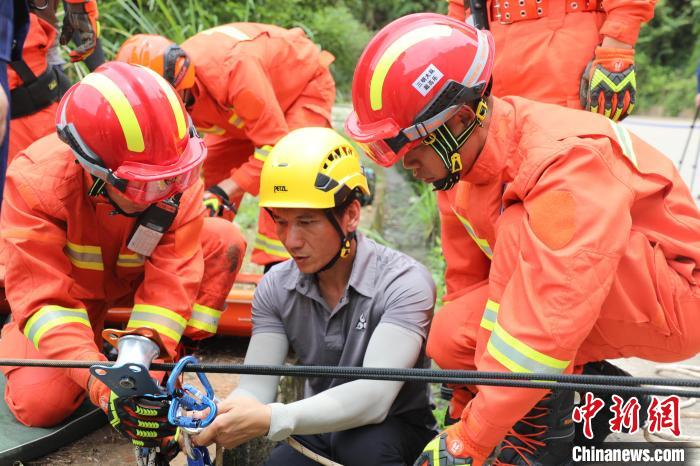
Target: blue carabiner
point(189, 398)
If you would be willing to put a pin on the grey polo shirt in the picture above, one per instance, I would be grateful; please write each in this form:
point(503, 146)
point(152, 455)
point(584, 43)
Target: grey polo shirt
point(385, 286)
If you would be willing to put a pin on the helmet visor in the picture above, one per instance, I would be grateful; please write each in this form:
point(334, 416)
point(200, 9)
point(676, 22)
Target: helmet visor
point(385, 152)
point(149, 192)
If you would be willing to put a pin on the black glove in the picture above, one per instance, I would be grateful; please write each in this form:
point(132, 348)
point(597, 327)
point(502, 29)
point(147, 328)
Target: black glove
point(80, 16)
point(143, 420)
point(218, 204)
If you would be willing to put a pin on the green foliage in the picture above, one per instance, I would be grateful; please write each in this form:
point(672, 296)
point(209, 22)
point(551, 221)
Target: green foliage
point(247, 215)
point(667, 53)
point(177, 20)
point(426, 217)
point(339, 32)
point(425, 211)
point(376, 14)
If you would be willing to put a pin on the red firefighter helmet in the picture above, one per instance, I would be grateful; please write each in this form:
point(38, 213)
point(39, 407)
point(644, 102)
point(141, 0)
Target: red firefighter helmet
point(127, 126)
point(412, 77)
point(161, 55)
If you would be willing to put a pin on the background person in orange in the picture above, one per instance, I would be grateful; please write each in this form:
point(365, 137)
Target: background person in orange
point(123, 226)
point(593, 238)
point(246, 85)
point(545, 47)
point(34, 83)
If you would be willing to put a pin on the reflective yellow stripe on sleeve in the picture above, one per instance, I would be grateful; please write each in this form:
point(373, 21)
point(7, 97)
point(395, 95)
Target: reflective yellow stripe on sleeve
point(211, 130)
point(482, 243)
point(166, 322)
point(204, 318)
point(84, 257)
point(261, 153)
point(625, 142)
point(232, 32)
point(270, 246)
point(130, 260)
point(236, 121)
point(519, 357)
point(488, 320)
point(51, 316)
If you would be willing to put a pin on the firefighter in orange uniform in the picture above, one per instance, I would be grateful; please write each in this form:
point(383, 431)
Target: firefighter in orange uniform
point(34, 88)
point(34, 83)
point(592, 236)
point(110, 216)
point(559, 39)
point(246, 85)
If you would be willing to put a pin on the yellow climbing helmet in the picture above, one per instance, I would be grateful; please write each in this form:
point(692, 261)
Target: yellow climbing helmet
point(313, 168)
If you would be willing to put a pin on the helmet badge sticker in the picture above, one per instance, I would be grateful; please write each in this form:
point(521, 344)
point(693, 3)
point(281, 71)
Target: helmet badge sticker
point(427, 79)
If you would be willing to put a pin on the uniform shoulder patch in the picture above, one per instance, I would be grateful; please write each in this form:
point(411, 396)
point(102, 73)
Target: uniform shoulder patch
point(552, 217)
point(248, 105)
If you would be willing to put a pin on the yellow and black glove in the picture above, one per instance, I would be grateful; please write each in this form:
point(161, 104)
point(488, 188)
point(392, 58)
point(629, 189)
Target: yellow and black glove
point(80, 16)
point(450, 448)
point(143, 420)
point(218, 204)
point(609, 83)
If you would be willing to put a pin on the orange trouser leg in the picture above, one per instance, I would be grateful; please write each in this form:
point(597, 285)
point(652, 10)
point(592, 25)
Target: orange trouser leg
point(37, 396)
point(223, 155)
point(26, 130)
point(224, 248)
point(452, 342)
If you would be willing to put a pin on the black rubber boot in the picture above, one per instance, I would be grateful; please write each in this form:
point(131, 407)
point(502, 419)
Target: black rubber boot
point(601, 422)
point(544, 436)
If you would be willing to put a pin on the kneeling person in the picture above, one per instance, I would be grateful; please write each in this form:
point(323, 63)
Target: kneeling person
point(81, 219)
point(344, 300)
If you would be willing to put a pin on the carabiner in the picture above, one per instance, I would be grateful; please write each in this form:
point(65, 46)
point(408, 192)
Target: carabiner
point(188, 398)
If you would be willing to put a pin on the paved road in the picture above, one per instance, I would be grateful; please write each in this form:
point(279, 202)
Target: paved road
point(669, 135)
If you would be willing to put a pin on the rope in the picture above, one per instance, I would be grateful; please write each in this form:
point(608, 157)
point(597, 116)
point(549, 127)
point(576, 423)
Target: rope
point(294, 443)
point(581, 383)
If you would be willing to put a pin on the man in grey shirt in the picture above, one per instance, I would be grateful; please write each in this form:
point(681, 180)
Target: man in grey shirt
point(343, 300)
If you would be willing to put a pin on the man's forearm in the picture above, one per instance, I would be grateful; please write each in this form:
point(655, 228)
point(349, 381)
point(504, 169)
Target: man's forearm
point(356, 403)
point(263, 349)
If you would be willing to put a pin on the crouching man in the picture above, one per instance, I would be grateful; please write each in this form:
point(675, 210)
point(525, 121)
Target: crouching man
point(343, 300)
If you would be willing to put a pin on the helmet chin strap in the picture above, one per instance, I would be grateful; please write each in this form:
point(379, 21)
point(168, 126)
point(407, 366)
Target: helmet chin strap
point(345, 242)
point(98, 188)
point(446, 145)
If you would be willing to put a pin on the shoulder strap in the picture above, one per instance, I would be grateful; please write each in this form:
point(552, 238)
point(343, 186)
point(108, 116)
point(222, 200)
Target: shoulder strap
point(22, 69)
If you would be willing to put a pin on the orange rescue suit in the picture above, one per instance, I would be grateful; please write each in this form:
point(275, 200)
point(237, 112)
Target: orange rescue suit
point(594, 241)
point(557, 47)
point(27, 129)
point(543, 58)
point(64, 262)
point(254, 83)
